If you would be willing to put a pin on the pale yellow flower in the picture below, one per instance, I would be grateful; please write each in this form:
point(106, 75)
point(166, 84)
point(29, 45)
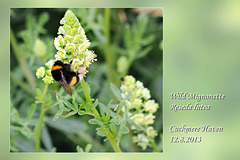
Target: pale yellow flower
point(139, 101)
point(72, 45)
point(40, 72)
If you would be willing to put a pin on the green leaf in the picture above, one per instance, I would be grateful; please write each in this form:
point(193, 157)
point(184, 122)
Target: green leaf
point(68, 104)
point(82, 112)
point(100, 123)
point(48, 99)
point(16, 128)
point(79, 149)
point(142, 21)
point(54, 104)
point(133, 113)
point(128, 96)
point(113, 128)
point(15, 116)
point(67, 125)
point(13, 136)
point(105, 111)
point(108, 112)
point(88, 107)
point(125, 115)
point(143, 52)
point(39, 98)
point(43, 18)
point(88, 147)
point(80, 99)
point(132, 123)
point(120, 106)
point(24, 144)
point(100, 132)
point(69, 114)
point(25, 132)
point(124, 130)
point(102, 113)
point(117, 120)
point(94, 105)
point(31, 112)
point(147, 40)
point(30, 21)
point(59, 112)
point(116, 92)
point(46, 138)
point(14, 149)
point(39, 92)
point(120, 51)
point(75, 104)
point(103, 106)
point(92, 121)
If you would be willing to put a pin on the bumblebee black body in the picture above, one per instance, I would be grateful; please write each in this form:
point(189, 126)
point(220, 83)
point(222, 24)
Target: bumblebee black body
point(62, 73)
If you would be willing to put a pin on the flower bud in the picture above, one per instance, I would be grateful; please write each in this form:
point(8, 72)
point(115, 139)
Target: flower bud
point(137, 103)
point(48, 80)
point(49, 64)
point(151, 132)
point(151, 106)
point(39, 48)
point(146, 94)
point(139, 84)
point(40, 72)
point(149, 119)
point(122, 64)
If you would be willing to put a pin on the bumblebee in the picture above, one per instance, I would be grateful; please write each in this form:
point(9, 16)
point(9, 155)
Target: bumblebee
point(62, 73)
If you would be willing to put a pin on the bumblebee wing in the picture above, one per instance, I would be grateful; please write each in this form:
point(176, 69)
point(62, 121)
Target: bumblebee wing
point(65, 85)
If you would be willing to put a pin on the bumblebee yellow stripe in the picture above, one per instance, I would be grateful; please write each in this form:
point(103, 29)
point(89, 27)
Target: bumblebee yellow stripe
point(73, 81)
point(56, 67)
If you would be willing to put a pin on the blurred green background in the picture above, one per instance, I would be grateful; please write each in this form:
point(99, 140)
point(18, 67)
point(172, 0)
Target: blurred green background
point(201, 54)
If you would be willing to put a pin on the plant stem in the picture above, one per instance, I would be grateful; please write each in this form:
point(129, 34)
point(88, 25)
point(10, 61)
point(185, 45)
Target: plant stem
point(22, 62)
point(87, 95)
point(154, 146)
point(108, 134)
point(38, 128)
point(108, 54)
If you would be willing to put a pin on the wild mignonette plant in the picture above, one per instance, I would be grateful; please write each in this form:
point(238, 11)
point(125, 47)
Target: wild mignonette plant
point(72, 45)
point(140, 110)
point(131, 113)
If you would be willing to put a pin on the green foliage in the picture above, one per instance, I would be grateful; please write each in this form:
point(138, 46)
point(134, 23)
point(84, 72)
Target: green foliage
point(116, 92)
point(87, 148)
point(134, 46)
